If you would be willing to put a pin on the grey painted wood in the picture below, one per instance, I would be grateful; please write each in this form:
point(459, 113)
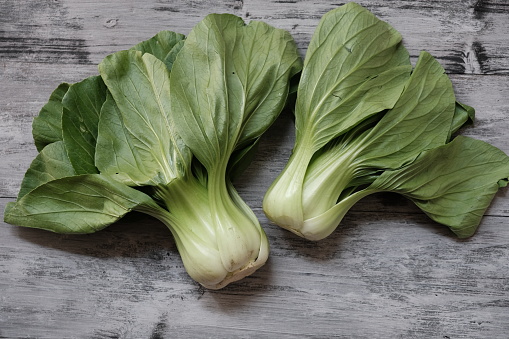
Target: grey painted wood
point(388, 272)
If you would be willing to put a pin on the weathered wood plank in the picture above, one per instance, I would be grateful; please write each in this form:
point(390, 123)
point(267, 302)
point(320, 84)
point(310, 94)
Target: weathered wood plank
point(393, 276)
point(83, 32)
point(466, 36)
point(387, 272)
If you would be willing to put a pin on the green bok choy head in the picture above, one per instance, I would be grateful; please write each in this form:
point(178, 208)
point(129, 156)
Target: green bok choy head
point(163, 130)
point(365, 122)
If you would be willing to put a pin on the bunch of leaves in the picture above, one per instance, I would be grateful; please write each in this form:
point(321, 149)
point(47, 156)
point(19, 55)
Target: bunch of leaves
point(163, 130)
point(367, 121)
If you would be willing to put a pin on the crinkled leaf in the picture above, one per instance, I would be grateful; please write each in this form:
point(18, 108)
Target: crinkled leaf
point(463, 114)
point(164, 46)
point(348, 74)
point(82, 106)
point(50, 164)
point(454, 184)
point(229, 82)
point(172, 55)
point(47, 126)
point(78, 204)
point(469, 110)
point(139, 85)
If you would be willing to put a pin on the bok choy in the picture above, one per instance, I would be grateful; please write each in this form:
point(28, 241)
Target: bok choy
point(163, 130)
point(366, 122)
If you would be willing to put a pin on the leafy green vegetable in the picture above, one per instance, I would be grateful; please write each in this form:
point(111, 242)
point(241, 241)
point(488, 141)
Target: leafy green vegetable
point(355, 67)
point(165, 46)
point(51, 164)
point(453, 184)
point(419, 120)
point(363, 128)
point(462, 114)
point(81, 109)
point(146, 121)
point(92, 200)
point(170, 123)
point(229, 83)
point(46, 127)
point(149, 150)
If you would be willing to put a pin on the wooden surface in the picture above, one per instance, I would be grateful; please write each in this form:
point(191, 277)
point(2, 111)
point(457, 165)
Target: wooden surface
point(388, 272)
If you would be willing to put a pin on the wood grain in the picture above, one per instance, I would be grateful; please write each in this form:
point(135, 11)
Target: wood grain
point(390, 275)
point(387, 272)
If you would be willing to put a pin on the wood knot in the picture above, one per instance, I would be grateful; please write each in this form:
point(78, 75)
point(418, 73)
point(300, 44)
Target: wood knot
point(110, 23)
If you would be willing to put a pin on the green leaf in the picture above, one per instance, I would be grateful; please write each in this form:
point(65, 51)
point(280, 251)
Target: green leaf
point(151, 152)
point(463, 114)
point(229, 82)
point(352, 70)
point(164, 46)
point(266, 78)
point(50, 164)
point(116, 155)
point(82, 106)
point(47, 126)
point(312, 182)
point(420, 119)
point(355, 68)
point(78, 204)
point(172, 55)
point(454, 184)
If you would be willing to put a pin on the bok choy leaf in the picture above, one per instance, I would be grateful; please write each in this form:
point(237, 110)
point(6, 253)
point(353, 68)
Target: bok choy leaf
point(47, 126)
point(365, 124)
point(143, 123)
point(229, 83)
point(355, 67)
